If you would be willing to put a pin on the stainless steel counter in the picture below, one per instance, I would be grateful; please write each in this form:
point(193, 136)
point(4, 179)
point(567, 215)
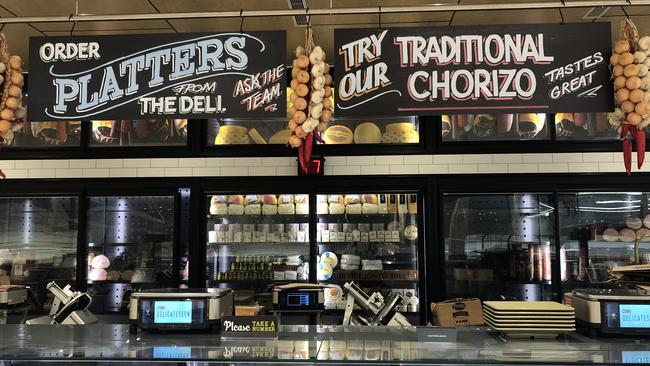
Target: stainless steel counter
point(311, 344)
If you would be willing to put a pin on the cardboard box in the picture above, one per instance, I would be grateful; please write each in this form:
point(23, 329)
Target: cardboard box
point(457, 313)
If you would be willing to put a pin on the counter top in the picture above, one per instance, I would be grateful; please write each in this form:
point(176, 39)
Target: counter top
point(314, 344)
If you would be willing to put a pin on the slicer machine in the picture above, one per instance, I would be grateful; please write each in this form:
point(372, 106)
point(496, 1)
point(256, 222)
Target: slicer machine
point(374, 309)
point(69, 307)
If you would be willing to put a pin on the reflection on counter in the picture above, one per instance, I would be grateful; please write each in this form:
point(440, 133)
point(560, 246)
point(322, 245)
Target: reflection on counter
point(139, 133)
point(494, 127)
point(601, 231)
point(499, 246)
point(38, 242)
point(45, 134)
point(130, 247)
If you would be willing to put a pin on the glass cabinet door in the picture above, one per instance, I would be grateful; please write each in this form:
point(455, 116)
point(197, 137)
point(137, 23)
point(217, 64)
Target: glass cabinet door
point(600, 231)
point(255, 241)
point(130, 247)
point(370, 239)
point(38, 242)
point(499, 246)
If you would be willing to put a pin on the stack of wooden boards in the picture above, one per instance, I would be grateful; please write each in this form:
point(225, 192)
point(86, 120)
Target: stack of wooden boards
point(525, 319)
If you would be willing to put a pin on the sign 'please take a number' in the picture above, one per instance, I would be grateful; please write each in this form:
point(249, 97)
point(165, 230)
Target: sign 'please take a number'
point(509, 68)
point(191, 75)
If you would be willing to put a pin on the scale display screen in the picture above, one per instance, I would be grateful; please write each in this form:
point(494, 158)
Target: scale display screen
point(634, 315)
point(172, 312)
point(625, 317)
point(297, 299)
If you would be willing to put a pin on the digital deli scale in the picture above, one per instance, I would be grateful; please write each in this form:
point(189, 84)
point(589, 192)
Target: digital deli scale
point(611, 311)
point(180, 309)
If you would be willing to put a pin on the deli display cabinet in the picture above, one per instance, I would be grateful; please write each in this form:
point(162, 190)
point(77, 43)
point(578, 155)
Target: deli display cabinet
point(499, 246)
point(38, 242)
point(371, 239)
point(256, 240)
point(130, 244)
point(600, 231)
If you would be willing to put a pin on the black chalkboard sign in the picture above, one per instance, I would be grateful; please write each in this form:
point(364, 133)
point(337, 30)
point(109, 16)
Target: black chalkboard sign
point(488, 69)
point(259, 326)
point(190, 75)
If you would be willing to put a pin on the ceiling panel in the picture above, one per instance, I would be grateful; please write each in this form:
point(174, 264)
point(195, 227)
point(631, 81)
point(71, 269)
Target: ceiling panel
point(65, 7)
point(109, 26)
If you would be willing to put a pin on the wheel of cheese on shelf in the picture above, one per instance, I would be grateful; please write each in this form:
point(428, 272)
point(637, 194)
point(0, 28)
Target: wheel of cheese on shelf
point(352, 198)
point(280, 137)
point(235, 209)
point(610, 234)
point(646, 221)
point(127, 275)
point(367, 133)
point(286, 209)
point(324, 272)
point(301, 198)
point(353, 209)
point(335, 198)
point(232, 135)
point(627, 235)
point(400, 133)
point(219, 209)
point(338, 134)
point(643, 234)
point(370, 208)
point(269, 209)
point(322, 208)
point(236, 199)
point(302, 208)
point(218, 199)
point(329, 258)
point(97, 274)
point(253, 209)
point(634, 223)
point(269, 199)
point(411, 232)
point(251, 199)
point(113, 276)
point(369, 198)
point(337, 209)
point(285, 198)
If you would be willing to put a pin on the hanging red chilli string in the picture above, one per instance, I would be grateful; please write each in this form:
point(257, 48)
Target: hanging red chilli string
point(629, 63)
point(310, 106)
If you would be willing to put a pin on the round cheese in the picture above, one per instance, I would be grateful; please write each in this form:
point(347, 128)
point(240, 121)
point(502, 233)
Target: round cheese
point(643, 234)
point(324, 272)
point(411, 232)
point(329, 258)
point(634, 223)
point(281, 137)
point(610, 234)
point(400, 127)
point(232, 130)
point(338, 135)
point(232, 139)
point(627, 235)
point(367, 133)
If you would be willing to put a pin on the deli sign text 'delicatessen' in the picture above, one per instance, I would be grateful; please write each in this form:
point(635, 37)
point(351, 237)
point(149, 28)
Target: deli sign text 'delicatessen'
point(191, 75)
point(505, 68)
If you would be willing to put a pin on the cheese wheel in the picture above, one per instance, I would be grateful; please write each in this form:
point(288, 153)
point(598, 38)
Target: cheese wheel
point(236, 199)
point(269, 209)
point(253, 209)
point(281, 137)
point(627, 235)
point(400, 127)
point(232, 129)
point(97, 274)
point(634, 223)
point(329, 258)
point(610, 234)
point(646, 221)
point(643, 235)
point(367, 133)
point(338, 135)
point(233, 139)
point(235, 209)
point(353, 209)
point(100, 261)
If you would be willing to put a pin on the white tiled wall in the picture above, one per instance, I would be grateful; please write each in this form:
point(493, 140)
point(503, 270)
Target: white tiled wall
point(335, 165)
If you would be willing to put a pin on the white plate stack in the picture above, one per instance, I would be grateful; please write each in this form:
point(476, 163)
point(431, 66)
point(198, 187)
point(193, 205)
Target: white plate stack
point(525, 319)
